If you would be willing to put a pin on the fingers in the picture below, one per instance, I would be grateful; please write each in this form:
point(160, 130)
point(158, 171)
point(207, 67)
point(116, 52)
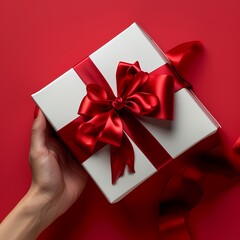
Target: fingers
point(38, 133)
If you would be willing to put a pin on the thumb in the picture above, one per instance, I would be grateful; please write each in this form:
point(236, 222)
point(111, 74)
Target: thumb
point(38, 133)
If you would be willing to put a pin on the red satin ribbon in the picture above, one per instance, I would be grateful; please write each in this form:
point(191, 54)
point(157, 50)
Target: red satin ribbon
point(193, 179)
point(180, 55)
point(138, 94)
point(104, 116)
point(172, 222)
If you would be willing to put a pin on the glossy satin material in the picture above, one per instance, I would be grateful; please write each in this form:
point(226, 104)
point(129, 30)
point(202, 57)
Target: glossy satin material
point(105, 117)
point(138, 94)
point(172, 223)
point(191, 182)
point(181, 55)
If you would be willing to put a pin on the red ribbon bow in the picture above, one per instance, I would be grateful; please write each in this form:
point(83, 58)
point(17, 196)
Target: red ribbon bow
point(138, 93)
point(105, 118)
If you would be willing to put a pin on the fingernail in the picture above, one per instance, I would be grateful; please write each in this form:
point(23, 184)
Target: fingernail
point(36, 110)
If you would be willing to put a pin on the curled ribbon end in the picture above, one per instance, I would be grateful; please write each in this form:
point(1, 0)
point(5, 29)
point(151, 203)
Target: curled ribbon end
point(130, 165)
point(120, 158)
point(131, 171)
point(115, 178)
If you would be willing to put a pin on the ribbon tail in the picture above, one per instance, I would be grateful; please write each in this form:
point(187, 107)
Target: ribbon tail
point(182, 53)
point(121, 157)
point(180, 57)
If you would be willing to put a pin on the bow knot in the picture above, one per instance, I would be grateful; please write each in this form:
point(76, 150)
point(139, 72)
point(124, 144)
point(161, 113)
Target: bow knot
point(118, 103)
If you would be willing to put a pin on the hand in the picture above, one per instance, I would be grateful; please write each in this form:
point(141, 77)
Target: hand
point(56, 176)
point(57, 181)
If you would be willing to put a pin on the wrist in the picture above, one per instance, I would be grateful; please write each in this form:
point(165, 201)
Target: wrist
point(38, 207)
point(27, 219)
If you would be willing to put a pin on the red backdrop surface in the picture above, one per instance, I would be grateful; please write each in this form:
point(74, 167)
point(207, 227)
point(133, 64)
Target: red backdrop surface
point(42, 39)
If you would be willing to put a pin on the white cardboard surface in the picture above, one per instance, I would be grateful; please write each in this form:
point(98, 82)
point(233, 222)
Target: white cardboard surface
point(98, 166)
point(60, 102)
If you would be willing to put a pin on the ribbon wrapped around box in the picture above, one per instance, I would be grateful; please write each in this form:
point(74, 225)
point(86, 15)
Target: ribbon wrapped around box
point(124, 111)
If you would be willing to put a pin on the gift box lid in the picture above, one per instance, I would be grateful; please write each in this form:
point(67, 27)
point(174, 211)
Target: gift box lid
point(192, 122)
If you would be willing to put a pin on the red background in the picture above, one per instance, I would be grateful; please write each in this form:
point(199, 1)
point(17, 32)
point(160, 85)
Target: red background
point(42, 39)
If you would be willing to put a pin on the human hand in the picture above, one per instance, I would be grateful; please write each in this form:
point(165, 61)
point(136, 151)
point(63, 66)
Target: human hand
point(56, 176)
point(57, 182)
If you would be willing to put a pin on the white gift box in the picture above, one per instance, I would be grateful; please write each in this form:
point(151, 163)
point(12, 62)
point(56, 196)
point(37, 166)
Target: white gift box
point(192, 123)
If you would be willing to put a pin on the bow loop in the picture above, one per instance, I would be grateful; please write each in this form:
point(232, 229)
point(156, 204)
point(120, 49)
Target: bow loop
point(97, 100)
point(142, 103)
point(105, 127)
point(129, 78)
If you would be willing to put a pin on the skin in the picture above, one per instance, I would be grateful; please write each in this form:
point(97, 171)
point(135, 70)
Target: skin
point(57, 182)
